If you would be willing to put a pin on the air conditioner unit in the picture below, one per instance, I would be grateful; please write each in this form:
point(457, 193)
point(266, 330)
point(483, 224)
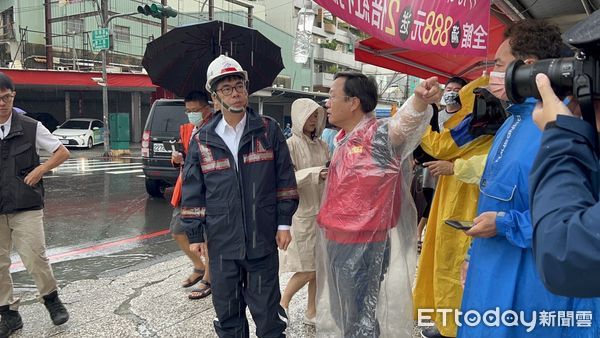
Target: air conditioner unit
point(282, 81)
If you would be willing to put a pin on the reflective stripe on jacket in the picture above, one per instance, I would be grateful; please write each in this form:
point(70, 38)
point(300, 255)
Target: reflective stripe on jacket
point(238, 209)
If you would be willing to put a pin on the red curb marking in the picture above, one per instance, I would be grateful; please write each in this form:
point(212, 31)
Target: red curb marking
point(79, 251)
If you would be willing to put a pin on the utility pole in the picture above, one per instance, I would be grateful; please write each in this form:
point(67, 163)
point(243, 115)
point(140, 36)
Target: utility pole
point(156, 11)
point(74, 52)
point(250, 9)
point(163, 20)
point(48, 17)
point(104, 12)
point(311, 64)
point(250, 15)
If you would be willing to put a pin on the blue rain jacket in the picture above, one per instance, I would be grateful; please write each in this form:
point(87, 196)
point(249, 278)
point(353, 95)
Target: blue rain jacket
point(565, 207)
point(502, 272)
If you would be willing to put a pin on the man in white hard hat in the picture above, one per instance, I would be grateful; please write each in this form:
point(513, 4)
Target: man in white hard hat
point(239, 194)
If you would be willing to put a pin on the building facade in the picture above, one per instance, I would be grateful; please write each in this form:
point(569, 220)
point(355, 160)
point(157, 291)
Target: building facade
point(70, 25)
point(332, 47)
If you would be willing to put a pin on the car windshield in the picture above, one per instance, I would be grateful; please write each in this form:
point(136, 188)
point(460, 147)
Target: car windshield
point(73, 124)
point(169, 118)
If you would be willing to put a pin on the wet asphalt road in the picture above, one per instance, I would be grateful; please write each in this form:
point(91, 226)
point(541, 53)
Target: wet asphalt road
point(100, 224)
point(99, 219)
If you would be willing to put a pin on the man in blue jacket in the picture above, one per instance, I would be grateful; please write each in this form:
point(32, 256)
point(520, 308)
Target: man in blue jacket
point(239, 195)
point(565, 207)
point(504, 297)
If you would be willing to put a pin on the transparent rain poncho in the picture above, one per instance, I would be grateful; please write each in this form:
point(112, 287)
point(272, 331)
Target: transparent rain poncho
point(366, 240)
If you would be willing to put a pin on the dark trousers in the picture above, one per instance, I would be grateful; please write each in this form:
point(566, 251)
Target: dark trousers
point(249, 282)
point(356, 274)
point(428, 194)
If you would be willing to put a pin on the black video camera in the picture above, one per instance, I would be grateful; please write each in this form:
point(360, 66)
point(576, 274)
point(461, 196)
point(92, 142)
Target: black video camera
point(578, 76)
point(488, 113)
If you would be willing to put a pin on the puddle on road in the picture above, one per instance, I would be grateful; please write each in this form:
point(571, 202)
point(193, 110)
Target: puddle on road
point(94, 267)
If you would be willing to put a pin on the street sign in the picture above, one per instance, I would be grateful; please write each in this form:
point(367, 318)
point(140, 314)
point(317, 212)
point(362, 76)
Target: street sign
point(100, 39)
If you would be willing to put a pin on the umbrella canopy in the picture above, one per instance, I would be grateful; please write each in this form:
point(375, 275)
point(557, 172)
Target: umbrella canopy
point(177, 61)
point(425, 64)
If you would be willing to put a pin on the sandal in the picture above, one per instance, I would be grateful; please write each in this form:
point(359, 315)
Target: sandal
point(199, 293)
point(310, 321)
point(192, 282)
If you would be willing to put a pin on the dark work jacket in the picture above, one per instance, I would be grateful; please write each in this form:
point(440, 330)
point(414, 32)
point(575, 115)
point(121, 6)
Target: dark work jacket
point(18, 157)
point(565, 208)
point(238, 210)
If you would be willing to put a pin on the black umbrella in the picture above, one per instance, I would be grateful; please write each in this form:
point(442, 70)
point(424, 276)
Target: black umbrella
point(177, 61)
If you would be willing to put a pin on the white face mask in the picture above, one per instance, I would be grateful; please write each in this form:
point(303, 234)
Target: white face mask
point(195, 117)
point(450, 99)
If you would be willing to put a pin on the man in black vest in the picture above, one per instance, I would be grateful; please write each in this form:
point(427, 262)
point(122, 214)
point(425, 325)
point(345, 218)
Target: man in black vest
point(21, 207)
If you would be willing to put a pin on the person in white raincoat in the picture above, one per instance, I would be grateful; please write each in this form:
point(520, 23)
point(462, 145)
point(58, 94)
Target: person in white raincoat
point(309, 154)
point(366, 253)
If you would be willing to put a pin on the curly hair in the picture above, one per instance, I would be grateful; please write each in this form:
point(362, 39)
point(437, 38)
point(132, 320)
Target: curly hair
point(534, 38)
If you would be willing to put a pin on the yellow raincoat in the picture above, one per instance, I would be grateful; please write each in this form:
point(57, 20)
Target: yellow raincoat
point(470, 170)
point(438, 275)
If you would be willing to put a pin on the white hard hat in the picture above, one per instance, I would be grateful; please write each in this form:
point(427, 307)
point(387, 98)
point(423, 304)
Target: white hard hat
point(221, 67)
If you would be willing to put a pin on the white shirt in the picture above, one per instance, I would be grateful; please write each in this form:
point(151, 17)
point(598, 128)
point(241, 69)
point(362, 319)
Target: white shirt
point(43, 138)
point(232, 137)
point(443, 116)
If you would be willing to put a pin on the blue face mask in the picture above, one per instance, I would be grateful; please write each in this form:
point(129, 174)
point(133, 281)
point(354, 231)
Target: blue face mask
point(195, 117)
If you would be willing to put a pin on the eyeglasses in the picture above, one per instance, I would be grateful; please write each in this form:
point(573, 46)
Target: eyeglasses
point(7, 98)
point(240, 88)
point(346, 97)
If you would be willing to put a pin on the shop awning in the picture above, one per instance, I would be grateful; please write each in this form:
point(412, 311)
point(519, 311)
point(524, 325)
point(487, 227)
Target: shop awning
point(78, 80)
point(425, 64)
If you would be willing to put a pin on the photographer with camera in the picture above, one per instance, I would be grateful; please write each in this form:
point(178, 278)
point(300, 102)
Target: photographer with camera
point(564, 198)
point(502, 274)
point(565, 177)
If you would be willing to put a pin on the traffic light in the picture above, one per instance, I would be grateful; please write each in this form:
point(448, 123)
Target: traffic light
point(157, 11)
point(144, 10)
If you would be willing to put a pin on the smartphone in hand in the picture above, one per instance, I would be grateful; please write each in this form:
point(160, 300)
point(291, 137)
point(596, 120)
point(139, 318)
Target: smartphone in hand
point(459, 225)
point(173, 146)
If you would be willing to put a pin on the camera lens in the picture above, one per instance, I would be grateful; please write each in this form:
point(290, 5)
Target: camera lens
point(520, 78)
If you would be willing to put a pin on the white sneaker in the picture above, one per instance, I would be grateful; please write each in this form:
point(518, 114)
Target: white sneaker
point(310, 321)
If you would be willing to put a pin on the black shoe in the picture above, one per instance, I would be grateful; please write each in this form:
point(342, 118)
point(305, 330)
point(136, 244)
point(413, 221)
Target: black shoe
point(10, 323)
point(431, 332)
point(55, 307)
